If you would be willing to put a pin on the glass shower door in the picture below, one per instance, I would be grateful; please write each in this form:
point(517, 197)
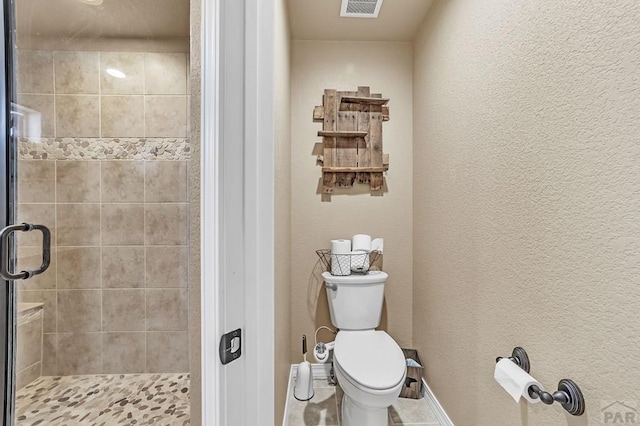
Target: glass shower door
point(12, 116)
point(7, 294)
point(97, 150)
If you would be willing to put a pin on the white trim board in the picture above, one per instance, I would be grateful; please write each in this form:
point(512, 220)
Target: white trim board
point(321, 371)
point(209, 214)
point(438, 410)
point(259, 175)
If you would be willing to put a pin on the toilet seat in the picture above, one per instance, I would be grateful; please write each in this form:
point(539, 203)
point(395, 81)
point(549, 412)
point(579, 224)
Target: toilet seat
point(370, 359)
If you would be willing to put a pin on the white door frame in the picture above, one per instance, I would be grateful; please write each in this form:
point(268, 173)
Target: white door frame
point(260, 175)
point(257, 402)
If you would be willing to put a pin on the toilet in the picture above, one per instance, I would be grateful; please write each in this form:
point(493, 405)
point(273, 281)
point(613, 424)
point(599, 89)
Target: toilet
point(369, 364)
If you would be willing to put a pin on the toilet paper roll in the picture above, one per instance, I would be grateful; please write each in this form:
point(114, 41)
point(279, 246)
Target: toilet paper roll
point(377, 245)
point(515, 380)
point(340, 246)
point(359, 261)
point(361, 242)
point(341, 264)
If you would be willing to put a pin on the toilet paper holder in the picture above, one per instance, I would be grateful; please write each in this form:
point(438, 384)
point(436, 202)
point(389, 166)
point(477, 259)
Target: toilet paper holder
point(568, 394)
point(520, 358)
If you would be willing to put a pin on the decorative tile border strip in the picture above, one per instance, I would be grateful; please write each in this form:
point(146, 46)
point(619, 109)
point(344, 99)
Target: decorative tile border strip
point(104, 149)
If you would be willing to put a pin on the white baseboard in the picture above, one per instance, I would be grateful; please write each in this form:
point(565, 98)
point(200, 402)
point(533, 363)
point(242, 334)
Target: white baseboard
point(442, 416)
point(321, 371)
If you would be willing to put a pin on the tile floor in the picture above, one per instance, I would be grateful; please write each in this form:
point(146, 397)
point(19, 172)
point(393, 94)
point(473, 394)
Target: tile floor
point(324, 408)
point(101, 400)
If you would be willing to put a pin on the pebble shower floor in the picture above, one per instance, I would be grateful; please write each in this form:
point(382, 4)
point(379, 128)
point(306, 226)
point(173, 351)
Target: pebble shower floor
point(104, 400)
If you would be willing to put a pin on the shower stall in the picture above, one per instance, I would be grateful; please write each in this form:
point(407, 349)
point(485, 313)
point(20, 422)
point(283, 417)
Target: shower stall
point(98, 154)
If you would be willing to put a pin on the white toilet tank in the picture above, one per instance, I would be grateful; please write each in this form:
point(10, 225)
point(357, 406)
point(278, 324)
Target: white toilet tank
point(355, 301)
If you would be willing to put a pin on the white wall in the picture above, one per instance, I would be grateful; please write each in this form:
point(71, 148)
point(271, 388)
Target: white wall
point(387, 69)
point(527, 202)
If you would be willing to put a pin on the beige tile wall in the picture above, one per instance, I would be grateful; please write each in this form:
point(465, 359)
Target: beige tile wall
point(115, 297)
point(76, 96)
point(116, 293)
point(29, 349)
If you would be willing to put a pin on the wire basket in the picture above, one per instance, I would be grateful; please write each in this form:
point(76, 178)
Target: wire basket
point(347, 264)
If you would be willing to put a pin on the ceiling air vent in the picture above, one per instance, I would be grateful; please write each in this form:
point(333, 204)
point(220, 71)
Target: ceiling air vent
point(360, 8)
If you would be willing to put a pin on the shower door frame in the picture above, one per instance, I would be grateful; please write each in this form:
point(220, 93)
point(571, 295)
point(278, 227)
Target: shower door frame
point(255, 369)
point(7, 213)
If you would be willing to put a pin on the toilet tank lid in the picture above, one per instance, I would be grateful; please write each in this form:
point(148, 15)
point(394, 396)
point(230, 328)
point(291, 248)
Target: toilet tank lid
point(371, 358)
point(370, 277)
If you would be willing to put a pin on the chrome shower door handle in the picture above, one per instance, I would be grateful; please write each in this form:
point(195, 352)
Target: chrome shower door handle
point(5, 234)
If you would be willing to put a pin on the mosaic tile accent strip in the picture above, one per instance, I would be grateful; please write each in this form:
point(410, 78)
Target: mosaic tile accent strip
point(104, 149)
point(135, 399)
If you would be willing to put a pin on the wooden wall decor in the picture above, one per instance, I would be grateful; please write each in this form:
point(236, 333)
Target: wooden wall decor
point(352, 139)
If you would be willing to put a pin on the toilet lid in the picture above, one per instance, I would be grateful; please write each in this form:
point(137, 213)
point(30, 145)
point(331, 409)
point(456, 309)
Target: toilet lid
point(371, 358)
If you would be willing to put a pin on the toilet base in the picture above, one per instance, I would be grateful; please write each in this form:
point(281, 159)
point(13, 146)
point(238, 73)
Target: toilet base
point(356, 415)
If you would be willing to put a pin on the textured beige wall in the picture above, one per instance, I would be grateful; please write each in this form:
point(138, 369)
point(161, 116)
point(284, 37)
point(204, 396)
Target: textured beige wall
point(282, 247)
point(527, 202)
point(387, 69)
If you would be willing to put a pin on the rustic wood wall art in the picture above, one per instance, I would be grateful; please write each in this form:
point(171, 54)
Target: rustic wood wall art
point(352, 139)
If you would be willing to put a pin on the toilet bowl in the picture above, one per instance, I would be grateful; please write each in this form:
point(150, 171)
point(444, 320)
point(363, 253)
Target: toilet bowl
point(371, 371)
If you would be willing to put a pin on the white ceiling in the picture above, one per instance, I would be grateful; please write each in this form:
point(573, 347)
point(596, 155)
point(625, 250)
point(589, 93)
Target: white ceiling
point(320, 20)
point(158, 19)
point(147, 19)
